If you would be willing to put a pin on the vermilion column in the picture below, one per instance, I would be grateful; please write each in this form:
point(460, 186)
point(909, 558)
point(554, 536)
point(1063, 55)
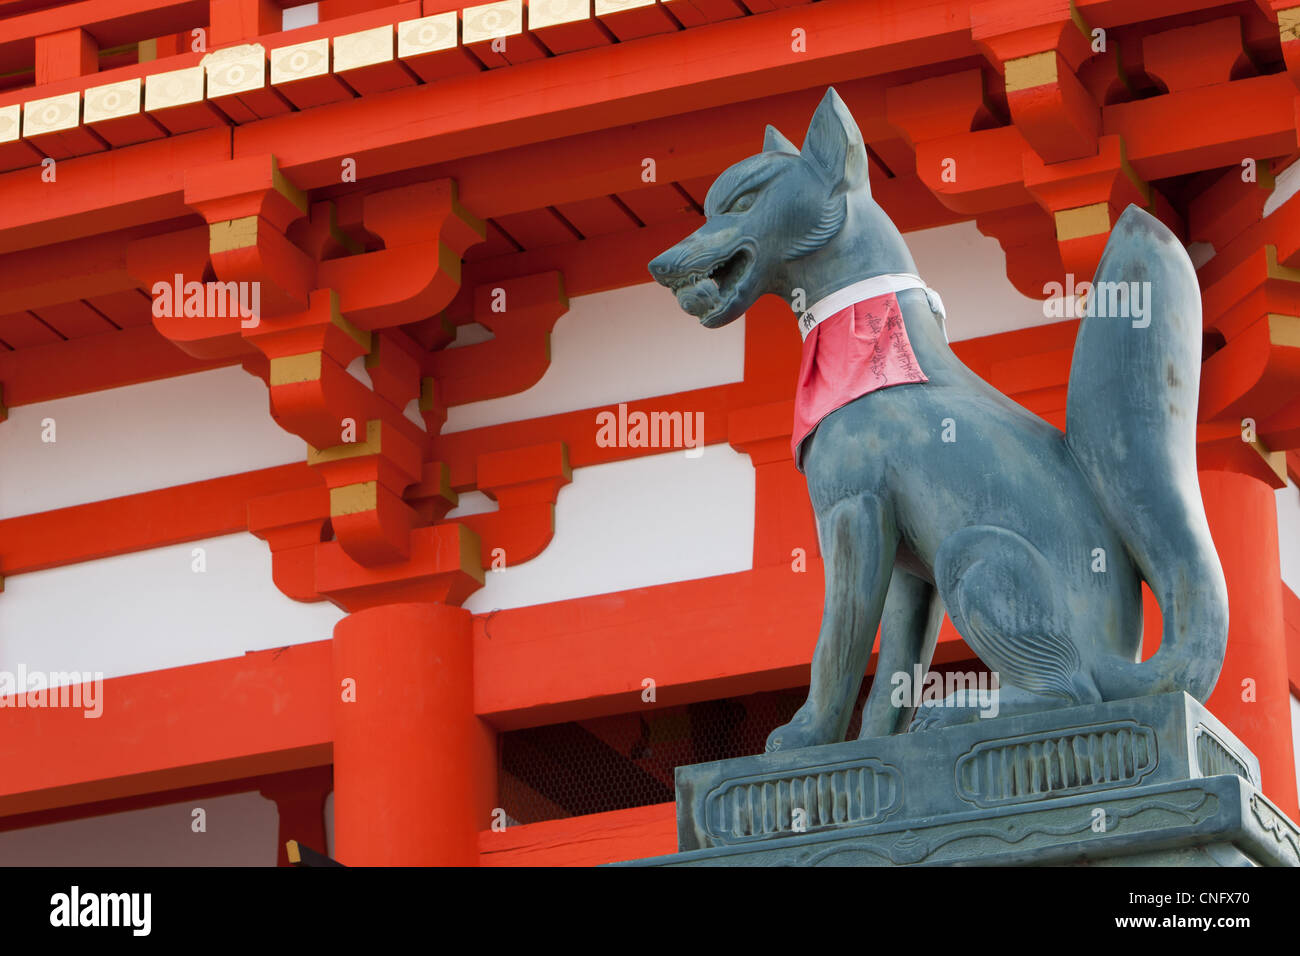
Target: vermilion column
point(409, 779)
point(1242, 512)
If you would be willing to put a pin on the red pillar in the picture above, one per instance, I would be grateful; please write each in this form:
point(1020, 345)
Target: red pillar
point(238, 21)
point(783, 516)
point(412, 776)
point(64, 55)
point(1243, 521)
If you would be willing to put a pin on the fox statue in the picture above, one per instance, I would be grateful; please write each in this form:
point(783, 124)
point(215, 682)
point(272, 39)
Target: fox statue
point(932, 490)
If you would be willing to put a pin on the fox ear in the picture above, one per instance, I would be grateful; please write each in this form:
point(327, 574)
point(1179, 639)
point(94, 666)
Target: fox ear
point(834, 146)
point(775, 142)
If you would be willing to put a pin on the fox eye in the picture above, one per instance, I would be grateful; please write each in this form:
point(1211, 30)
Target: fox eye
point(742, 202)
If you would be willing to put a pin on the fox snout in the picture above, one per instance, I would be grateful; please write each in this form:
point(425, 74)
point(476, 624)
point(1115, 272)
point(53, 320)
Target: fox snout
point(706, 274)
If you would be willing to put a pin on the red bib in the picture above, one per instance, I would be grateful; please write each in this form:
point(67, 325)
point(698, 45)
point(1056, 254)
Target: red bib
point(859, 349)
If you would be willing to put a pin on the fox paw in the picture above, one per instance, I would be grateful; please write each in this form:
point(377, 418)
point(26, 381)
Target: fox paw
point(943, 715)
point(802, 731)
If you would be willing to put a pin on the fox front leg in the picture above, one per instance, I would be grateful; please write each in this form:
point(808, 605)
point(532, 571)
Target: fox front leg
point(859, 540)
point(909, 629)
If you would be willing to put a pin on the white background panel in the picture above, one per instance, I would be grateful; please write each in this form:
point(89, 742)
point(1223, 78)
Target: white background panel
point(635, 523)
point(1288, 535)
point(634, 343)
point(148, 610)
point(618, 346)
point(120, 441)
point(969, 271)
point(242, 830)
point(1295, 735)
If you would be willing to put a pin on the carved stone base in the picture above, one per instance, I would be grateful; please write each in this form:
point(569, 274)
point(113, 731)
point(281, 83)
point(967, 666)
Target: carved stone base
point(1154, 781)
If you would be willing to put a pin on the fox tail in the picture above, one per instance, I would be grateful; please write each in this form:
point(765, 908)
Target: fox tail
point(1131, 425)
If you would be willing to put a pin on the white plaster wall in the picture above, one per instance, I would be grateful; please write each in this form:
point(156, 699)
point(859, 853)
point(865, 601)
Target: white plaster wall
point(634, 342)
point(969, 271)
point(121, 441)
point(636, 523)
point(303, 15)
point(1295, 735)
point(242, 830)
point(618, 346)
point(1288, 535)
point(149, 610)
point(1284, 187)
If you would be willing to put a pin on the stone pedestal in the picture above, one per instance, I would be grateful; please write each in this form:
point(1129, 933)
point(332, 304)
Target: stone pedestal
point(1154, 781)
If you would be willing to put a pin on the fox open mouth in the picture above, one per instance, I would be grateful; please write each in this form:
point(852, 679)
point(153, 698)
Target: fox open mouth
point(708, 294)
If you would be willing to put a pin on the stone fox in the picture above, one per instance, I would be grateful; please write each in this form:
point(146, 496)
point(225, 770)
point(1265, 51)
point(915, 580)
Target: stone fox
point(937, 492)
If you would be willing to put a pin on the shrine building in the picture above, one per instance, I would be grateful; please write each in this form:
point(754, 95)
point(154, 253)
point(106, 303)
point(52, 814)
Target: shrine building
point(359, 488)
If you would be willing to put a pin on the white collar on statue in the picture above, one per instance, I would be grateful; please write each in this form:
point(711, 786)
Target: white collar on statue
point(841, 299)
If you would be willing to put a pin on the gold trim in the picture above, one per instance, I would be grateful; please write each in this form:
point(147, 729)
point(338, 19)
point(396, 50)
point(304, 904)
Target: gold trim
point(232, 234)
point(1082, 221)
point(1127, 169)
point(448, 262)
point(444, 484)
point(354, 499)
point(1275, 460)
point(362, 337)
point(1274, 269)
point(293, 369)
point(342, 238)
point(471, 554)
point(1080, 22)
point(1288, 24)
point(471, 220)
point(1026, 72)
point(371, 446)
point(1284, 330)
point(426, 392)
point(280, 183)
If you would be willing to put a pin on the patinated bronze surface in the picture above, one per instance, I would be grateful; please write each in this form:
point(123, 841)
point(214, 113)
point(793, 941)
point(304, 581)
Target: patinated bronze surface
point(945, 494)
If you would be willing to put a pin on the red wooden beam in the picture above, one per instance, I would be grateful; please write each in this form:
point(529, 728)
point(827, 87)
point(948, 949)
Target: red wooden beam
point(656, 76)
point(111, 22)
point(112, 190)
point(265, 712)
point(1254, 117)
point(59, 369)
point(584, 841)
point(145, 801)
point(151, 519)
point(66, 271)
